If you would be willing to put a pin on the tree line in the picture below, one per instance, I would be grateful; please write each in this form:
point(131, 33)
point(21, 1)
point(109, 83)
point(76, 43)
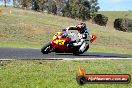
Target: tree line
point(77, 9)
point(81, 9)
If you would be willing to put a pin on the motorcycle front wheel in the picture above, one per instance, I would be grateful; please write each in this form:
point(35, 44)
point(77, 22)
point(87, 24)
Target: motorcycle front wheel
point(46, 49)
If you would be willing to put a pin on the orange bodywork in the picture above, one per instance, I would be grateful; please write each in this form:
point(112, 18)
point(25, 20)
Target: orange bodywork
point(57, 34)
point(92, 38)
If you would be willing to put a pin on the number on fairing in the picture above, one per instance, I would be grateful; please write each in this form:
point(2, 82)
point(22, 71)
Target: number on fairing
point(60, 42)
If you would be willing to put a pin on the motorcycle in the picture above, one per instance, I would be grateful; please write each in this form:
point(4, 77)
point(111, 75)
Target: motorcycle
point(59, 44)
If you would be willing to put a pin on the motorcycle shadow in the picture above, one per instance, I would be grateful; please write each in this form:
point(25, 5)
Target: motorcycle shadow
point(89, 55)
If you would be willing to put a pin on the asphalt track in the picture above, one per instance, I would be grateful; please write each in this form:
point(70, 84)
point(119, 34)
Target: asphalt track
point(17, 53)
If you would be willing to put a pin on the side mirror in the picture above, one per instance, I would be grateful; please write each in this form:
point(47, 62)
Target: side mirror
point(92, 38)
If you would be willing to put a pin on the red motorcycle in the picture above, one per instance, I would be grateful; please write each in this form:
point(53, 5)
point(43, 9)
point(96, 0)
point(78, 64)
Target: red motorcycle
point(59, 44)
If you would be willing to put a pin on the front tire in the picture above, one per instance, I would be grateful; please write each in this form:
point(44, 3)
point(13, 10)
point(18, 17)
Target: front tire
point(46, 49)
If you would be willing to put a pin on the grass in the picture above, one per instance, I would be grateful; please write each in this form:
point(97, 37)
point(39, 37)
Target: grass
point(58, 74)
point(29, 29)
point(112, 15)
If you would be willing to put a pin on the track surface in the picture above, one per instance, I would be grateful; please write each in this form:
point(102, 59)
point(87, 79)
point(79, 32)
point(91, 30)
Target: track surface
point(16, 53)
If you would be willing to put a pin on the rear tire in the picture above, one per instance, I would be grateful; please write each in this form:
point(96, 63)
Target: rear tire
point(46, 49)
point(76, 53)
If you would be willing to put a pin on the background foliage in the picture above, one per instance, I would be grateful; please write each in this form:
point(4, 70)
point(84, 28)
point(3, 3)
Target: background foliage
point(123, 24)
point(82, 9)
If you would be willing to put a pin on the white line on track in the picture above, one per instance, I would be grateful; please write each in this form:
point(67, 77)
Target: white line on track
point(72, 59)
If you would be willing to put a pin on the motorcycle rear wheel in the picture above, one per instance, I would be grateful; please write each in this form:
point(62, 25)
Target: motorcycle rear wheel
point(46, 49)
point(77, 53)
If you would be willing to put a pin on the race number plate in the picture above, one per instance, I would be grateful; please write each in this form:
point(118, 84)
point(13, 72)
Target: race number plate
point(60, 42)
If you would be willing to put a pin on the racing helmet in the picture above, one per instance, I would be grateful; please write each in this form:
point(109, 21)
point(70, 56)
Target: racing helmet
point(81, 27)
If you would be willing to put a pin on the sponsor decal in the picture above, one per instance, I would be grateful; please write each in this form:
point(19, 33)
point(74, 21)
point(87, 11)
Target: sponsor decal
point(83, 78)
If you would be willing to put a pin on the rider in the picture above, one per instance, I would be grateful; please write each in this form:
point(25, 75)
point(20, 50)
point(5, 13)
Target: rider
point(83, 35)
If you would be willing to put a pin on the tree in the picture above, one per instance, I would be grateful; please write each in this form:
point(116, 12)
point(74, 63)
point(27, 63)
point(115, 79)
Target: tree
point(60, 5)
point(77, 9)
point(35, 5)
point(94, 8)
point(5, 2)
point(22, 3)
point(25, 3)
point(84, 9)
point(41, 4)
point(52, 7)
point(66, 10)
point(16, 3)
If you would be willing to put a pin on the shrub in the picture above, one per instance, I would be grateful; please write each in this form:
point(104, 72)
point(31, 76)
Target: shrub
point(100, 19)
point(118, 24)
point(123, 24)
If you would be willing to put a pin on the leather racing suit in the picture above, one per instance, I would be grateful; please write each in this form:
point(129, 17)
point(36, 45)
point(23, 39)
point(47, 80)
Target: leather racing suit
point(84, 37)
